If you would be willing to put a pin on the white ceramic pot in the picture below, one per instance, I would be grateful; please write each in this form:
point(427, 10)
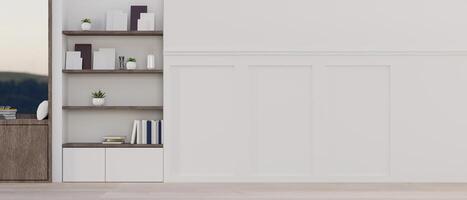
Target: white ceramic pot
point(86, 26)
point(98, 101)
point(131, 65)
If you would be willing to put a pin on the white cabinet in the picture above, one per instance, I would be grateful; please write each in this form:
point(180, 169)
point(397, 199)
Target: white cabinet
point(113, 165)
point(83, 165)
point(134, 165)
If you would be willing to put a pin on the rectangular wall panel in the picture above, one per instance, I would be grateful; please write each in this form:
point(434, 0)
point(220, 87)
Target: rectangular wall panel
point(204, 135)
point(354, 136)
point(280, 113)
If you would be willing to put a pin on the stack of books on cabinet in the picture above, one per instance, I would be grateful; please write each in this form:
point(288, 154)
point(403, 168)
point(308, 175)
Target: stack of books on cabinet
point(7, 112)
point(114, 140)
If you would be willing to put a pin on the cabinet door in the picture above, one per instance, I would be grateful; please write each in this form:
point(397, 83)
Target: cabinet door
point(83, 164)
point(134, 165)
point(23, 153)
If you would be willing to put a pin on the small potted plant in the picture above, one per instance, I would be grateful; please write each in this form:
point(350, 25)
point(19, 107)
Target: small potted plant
point(86, 24)
point(131, 64)
point(98, 98)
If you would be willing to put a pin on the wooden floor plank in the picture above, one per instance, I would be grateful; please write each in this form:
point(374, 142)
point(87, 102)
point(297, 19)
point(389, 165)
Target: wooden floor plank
point(84, 191)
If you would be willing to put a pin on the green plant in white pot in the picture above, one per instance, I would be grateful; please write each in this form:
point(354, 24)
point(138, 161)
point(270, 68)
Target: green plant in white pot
point(86, 24)
point(98, 98)
point(131, 64)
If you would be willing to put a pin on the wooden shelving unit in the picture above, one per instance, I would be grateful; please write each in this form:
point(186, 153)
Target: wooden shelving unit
point(136, 71)
point(100, 145)
point(112, 107)
point(113, 33)
point(84, 157)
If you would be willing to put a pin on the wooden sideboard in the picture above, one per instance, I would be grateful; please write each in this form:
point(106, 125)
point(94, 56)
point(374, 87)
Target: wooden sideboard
point(24, 150)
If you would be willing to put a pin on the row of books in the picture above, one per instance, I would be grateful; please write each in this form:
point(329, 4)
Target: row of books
point(147, 132)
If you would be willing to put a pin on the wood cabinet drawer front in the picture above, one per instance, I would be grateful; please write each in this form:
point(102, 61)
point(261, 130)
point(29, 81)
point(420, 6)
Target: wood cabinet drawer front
point(83, 165)
point(23, 153)
point(134, 165)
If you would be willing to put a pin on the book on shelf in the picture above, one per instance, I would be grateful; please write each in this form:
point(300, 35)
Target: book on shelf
point(161, 131)
point(139, 139)
point(113, 139)
point(112, 142)
point(144, 131)
point(133, 132)
point(147, 132)
point(153, 132)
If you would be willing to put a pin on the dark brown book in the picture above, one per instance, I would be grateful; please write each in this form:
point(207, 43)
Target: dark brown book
point(135, 15)
point(86, 54)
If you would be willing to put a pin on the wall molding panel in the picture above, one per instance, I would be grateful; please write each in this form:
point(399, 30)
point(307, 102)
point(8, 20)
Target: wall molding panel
point(276, 92)
point(355, 136)
point(192, 135)
point(365, 119)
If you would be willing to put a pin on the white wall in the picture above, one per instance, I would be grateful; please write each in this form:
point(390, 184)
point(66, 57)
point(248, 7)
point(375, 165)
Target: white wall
point(315, 91)
point(315, 25)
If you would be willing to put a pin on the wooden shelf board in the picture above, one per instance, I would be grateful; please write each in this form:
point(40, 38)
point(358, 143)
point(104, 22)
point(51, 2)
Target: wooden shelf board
point(113, 107)
point(110, 71)
point(100, 145)
point(113, 33)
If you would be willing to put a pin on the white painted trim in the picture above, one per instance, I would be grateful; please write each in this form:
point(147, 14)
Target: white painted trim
point(58, 50)
point(316, 53)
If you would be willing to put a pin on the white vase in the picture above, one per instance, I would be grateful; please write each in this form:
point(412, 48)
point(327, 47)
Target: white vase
point(86, 26)
point(131, 65)
point(151, 62)
point(98, 101)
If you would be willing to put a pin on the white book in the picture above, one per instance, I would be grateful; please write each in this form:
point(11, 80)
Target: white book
point(104, 59)
point(110, 57)
point(144, 131)
point(162, 132)
point(133, 132)
point(146, 22)
point(109, 19)
point(121, 22)
point(112, 142)
point(153, 132)
point(139, 133)
point(142, 25)
point(98, 60)
point(116, 20)
point(158, 138)
point(114, 137)
point(73, 60)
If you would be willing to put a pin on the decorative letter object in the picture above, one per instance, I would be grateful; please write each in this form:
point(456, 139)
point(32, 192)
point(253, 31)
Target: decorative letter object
point(121, 62)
